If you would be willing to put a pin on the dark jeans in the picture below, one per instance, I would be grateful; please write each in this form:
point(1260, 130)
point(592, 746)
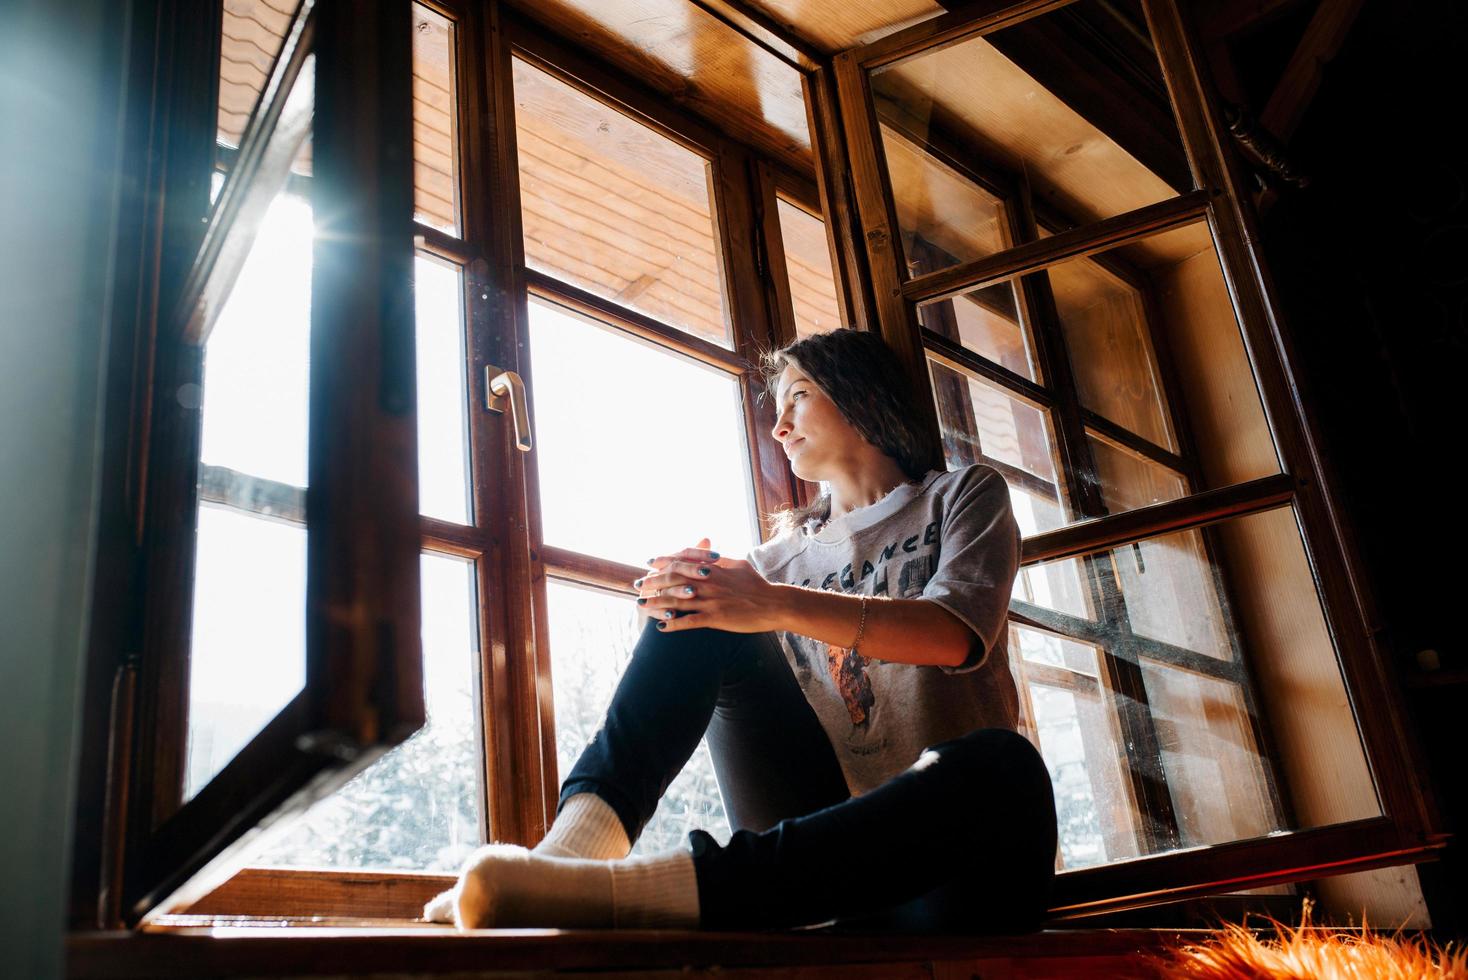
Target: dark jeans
point(964, 844)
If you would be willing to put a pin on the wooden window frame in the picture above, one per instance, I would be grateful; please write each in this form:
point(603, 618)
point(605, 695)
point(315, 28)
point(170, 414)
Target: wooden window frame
point(519, 751)
point(1408, 829)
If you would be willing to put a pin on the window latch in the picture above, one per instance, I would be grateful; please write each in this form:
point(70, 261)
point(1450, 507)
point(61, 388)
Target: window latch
point(504, 389)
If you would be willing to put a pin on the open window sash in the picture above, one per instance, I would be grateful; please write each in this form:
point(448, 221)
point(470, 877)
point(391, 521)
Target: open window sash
point(931, 114)
point(342, 80)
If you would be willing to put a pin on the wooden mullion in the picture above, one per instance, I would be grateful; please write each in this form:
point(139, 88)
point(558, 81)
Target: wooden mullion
point(1061, 678)
point(1090, 631)
point(771, 253)
point(429, 239)
point(514, 701)
point(896, 317)
point(602, 573)
point(1099, 425)
point(755, 326)
point(1349, 606)
point(599, 308)
point(954, 355)
point(837, 200)
point(1039, 253)
point(1194, 510)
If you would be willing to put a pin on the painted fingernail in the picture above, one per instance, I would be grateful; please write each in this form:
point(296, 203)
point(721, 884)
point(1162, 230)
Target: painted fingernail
point(688, 590)
point(642, 602)
point(713, 554)
point(651, 561)
point(705, 571)
point(661, 625)
point(637, 584)
point(668, 614)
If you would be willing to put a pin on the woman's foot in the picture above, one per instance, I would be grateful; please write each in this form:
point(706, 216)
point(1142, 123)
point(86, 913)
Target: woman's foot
point(506, 886)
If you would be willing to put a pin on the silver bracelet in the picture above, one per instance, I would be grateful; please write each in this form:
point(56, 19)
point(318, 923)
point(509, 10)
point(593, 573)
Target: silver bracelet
point(861, 624)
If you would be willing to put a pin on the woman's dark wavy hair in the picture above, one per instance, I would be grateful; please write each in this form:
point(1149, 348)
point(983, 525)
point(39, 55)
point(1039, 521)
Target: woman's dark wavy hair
point(871, 388)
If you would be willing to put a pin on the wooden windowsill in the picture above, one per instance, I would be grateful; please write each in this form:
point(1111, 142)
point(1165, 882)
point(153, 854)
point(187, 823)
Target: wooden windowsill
point(200, 946)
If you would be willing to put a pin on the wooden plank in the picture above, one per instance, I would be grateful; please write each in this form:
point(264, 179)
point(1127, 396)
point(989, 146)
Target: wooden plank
point(696, 60)
point(972, 20)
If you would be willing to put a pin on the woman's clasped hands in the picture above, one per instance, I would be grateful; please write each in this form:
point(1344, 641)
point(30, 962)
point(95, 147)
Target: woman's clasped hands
point(708, 591)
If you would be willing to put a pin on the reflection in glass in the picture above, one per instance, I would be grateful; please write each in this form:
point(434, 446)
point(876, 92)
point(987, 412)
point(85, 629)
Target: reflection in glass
point(416, 808)
point(622, 477)
point(986, 321)
point(592, 636)
point(808, 264)
point(980, 422)
point(1010, 100)
point(1217, 778)
point(943, 217)
point(435, 139)
point(443, 463)
point(1135, 688)
point(615, 208)
point(1128, 480)
point(251, 35)
point(247, 650)
point(1106, 335)
point(249, 634)
point(1171, 594)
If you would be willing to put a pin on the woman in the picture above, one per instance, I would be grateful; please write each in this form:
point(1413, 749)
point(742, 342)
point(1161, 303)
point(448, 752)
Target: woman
point(852, 679)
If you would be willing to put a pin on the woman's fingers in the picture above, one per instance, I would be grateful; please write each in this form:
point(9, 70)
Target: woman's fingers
point(678, 573)
point(687, 554)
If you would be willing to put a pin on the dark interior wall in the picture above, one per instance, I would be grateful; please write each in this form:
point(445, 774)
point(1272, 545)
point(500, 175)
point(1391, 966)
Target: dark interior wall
point(60, 61)
point(1371, 265)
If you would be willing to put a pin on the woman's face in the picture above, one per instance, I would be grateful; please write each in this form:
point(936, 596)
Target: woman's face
point(817, 439)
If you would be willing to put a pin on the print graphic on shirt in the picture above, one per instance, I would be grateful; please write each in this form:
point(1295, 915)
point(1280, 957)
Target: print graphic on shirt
point(848, 672)
point(846, 668)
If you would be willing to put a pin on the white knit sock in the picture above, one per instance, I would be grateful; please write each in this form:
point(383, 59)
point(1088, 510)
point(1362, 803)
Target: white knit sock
point(586, 827)
point(507, 886)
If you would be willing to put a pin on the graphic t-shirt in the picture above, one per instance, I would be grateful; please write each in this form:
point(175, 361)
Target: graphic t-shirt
point(950, 538)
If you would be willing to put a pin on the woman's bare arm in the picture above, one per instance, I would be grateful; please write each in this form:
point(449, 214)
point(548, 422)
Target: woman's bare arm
point(910, 631)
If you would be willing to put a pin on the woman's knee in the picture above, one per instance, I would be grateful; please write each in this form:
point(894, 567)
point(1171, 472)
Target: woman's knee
point(990, 759)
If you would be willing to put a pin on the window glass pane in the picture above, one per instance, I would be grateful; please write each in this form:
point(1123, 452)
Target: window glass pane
point(1219, 788)
point(616, 209)
point(592, 636)
point(1128, 480)
point(1069, 719)
point(1171, 593)
point(1032, 100)
point(981, 423)
point(944, 217)
point(1162, 710)
point(256, 356)
point(435, 128)
point(621, 476)
point(416, 808)
point(249, 634)
point(247, 652)
point(1107, 336)
point(443, 432)
point(808, 263)
point(251, 35)
point(1174, 294)
point(986, 321)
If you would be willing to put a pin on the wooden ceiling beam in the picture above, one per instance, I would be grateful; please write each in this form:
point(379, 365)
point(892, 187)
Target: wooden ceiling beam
point(1301, 79)
point(761, 29)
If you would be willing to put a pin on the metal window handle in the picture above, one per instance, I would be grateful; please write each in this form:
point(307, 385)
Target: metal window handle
point(501, 386)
